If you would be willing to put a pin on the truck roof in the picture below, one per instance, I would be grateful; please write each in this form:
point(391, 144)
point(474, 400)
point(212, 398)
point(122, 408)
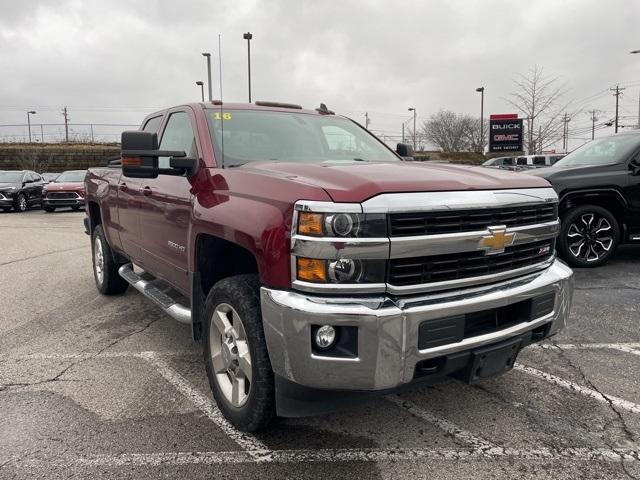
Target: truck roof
point(258, 105)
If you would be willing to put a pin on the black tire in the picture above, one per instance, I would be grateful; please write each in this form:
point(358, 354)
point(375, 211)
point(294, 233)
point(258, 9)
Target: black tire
point(242, 294)
point(588, 237)
point(49, 209)
point(108, 281)
point(20, 204)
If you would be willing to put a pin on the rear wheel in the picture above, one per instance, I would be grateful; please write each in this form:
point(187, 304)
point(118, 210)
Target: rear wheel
point(589, 236)
point(105, 269)
point(235, 353)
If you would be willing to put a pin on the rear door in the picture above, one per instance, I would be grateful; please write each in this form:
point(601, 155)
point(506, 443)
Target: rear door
point(165, 218)
point(33, 187)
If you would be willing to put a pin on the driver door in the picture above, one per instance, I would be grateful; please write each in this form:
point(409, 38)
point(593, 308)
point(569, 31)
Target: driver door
point(165, 216)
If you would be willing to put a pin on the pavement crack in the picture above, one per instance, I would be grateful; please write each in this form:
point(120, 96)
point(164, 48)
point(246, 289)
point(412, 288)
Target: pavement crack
point(40, 255)
point(623, 424)
point(614, 287)
point(57, 377)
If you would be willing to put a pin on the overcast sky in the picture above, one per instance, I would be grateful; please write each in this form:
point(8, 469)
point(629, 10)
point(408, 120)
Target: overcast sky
point(116, 61)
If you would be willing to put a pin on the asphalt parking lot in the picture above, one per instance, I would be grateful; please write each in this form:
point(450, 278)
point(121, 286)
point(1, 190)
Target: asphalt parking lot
point(97, 387)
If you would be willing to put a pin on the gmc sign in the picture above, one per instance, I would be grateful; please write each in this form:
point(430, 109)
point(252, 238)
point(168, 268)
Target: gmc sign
point(505, 134)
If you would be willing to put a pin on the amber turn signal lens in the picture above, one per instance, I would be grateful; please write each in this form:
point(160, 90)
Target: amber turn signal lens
point(312, 270)
point(310, 223)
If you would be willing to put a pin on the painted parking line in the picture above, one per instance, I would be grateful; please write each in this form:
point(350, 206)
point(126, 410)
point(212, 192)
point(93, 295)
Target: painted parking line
point(631, 348)
point(588, 392)
point(205, 405)
point(87, 356)
point(334, 456)
point(452, 429)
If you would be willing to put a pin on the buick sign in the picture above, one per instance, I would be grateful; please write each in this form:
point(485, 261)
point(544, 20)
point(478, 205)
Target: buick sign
point(505, 135)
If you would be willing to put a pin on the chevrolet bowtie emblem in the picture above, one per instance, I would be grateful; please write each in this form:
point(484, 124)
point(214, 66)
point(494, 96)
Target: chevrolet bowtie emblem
point(497, 240)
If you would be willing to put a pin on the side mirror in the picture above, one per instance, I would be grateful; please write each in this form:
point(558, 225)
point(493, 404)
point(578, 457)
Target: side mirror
point(139, 153)
point(404, 150)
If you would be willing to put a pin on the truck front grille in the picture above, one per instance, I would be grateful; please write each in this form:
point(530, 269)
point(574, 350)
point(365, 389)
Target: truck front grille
point(62, 195)
point(440, 222)
point(457, 266)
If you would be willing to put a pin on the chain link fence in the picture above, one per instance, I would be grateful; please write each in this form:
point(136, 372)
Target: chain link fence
point(59, 133)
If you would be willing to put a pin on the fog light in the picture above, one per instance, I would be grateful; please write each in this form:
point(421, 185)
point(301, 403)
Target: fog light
point(325, 336)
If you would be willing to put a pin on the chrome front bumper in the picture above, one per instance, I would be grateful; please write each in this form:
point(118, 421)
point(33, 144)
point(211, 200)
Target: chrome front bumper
point(388, 328)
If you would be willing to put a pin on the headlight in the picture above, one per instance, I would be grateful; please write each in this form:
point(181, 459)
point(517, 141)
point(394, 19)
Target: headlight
point(336, 247)
point(342, 270)
point(343, 225)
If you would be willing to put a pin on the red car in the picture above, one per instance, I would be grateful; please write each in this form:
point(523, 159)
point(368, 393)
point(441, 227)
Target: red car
point(67, 190)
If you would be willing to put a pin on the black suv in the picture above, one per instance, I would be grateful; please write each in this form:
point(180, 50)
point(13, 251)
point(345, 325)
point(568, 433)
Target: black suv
point(599, 189)
point(20, 189)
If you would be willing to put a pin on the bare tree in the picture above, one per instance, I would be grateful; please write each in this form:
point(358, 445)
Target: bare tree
point(475, 142)
point(539, 98)
point(453, 132)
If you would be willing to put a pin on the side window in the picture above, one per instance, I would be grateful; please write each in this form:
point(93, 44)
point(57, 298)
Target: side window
point(178, 135)
point(555, 159)
point(152, 125)
point(521, 161)
point(32, 177)
point(539, 160)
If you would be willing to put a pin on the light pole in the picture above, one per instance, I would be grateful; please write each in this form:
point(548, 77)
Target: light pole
point(481, 90)
point(208, 55)
point(201, 85)
point(248, 36)
point(414, 126)
point(29, 113)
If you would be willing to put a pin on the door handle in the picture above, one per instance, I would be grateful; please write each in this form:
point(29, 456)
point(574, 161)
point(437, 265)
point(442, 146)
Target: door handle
point(146, 191)
point(122, 186)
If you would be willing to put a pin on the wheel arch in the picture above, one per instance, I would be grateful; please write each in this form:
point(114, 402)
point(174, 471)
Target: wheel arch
point(215, 259)
point(608, 198)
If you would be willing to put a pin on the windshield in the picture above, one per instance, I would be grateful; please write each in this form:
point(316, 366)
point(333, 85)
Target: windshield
point(71, 177)
point(602, 151)
point(251, 135)
point(10, 177)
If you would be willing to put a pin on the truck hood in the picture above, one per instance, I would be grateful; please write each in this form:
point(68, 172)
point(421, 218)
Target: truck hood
point(358, 181)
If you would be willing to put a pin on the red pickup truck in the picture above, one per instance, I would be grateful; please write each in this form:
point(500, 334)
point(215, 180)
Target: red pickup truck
point(317, 266)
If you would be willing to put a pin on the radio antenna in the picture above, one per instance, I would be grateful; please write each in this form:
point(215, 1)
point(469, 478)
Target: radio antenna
point(221, 102)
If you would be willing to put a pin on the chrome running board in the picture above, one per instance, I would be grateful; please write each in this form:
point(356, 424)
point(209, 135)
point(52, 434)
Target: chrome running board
point(169, 305)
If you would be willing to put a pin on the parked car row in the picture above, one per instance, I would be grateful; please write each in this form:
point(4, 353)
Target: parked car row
point(523, 162)
point(23, 189)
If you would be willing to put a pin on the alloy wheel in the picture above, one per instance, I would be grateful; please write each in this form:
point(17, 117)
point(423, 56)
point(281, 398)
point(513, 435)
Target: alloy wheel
point(230, 354)
point(22, 203)
point(590, 237)
point(98, 260)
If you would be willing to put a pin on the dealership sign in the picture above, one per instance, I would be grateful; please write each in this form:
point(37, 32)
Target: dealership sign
point(505, 133)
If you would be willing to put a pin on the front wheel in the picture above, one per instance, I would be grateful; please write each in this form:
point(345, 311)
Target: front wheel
point(235, 353)
point(588, 237)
